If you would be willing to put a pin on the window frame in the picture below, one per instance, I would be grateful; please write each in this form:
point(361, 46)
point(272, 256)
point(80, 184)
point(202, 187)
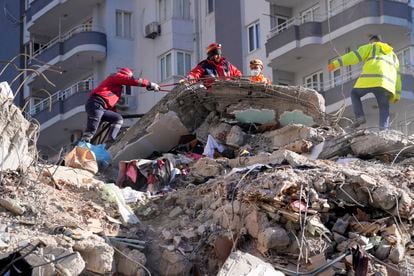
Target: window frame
point(182, 7)
point(210, 6)
point(186, 64)
point(319, 81)
point(256, 36)
point(122, 32)
point(174, 70)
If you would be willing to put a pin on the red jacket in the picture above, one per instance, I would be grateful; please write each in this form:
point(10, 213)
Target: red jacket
point(110, 89)
point(208, 70)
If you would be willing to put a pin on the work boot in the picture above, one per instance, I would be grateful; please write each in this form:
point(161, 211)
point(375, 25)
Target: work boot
point(358, 122)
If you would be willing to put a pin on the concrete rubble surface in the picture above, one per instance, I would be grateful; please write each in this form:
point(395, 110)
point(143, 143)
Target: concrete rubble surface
point(286, 191)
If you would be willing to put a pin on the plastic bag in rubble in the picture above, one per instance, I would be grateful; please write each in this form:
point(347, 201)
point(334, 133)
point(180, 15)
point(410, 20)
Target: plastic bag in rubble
point(132, 196)
point(101, 154)
point(81, 158)
point(111, 193)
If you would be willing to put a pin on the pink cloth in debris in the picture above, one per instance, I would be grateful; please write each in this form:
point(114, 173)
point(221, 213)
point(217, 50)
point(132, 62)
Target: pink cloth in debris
point(132, 172)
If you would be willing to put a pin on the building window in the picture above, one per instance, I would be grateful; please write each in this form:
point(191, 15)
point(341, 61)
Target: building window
point(164, 10)
point(182, 9)
point(314, 81)
point(210, 6)
point(254, 36)
point(165, 66)
point(311, 14)
point(183, 63)
point(335, 6)
point(123, 24)
point(404, 57)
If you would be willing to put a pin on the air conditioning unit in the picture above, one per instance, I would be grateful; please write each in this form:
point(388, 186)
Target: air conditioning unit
point(152, 30)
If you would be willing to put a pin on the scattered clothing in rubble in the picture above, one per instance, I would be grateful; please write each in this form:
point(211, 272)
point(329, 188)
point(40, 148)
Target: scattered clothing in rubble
point(152, 175)
point(211, 146)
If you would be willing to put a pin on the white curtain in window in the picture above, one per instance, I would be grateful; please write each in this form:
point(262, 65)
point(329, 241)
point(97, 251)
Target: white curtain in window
point(182, 9)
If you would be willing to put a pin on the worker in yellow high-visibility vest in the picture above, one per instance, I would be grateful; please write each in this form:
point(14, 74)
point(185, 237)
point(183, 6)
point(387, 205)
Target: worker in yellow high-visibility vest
point(380, 76)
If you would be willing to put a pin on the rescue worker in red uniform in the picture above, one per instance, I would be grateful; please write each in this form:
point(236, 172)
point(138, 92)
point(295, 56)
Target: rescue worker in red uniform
point(215, 66)
point(101, 104)
point(256, 72)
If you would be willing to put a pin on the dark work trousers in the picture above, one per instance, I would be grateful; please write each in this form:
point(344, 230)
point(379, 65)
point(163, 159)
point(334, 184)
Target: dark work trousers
point(381, 94)
point(96, 113)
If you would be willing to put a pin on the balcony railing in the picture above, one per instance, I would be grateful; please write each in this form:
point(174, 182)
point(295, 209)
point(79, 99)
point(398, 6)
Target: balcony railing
point(78, 29)
point(346, 75)
point(84, 85)
point(322, 16)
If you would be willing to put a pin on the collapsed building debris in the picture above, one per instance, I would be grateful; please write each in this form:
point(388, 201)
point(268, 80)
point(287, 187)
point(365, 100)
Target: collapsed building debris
point(18, 136)
point(268, 201)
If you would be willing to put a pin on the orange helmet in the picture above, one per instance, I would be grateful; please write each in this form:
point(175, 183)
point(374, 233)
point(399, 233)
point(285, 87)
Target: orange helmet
point(125, 71)
point(214, 49)
point(255, 62)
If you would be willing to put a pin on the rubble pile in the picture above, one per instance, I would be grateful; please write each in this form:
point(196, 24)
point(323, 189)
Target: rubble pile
point(245, 179)
point(290, 210)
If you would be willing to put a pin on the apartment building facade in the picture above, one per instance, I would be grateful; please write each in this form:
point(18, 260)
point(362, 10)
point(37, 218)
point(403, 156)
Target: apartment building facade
point(11, 27)
point(76, 45)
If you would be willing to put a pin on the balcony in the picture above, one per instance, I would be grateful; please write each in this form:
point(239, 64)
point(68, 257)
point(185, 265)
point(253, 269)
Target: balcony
point(299, 36)
point(74, 52)
point(42, 16)
point(62, 102)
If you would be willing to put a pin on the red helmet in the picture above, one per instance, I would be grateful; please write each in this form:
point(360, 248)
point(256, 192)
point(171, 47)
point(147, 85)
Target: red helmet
point(214, 48)
point(125, 71)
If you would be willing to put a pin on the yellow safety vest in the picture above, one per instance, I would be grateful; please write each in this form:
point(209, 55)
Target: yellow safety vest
point(381, 67)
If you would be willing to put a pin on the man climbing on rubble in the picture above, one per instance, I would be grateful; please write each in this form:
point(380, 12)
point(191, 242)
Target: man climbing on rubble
point(215, 66)
point(101, 104)
point(256, 72)
point(380, 76)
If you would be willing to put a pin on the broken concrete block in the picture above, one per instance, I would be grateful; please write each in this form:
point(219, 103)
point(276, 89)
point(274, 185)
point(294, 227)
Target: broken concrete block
point(206, 167)
point(97, 254)
point(175, 212)
point(300, 146)
point(62, 176)
point(341, 225)
point(162, 135)
point(74, 264)
point(167, 235)
point(397, 253)
point(220, 132)
point(17, 147)
point(291, 133)
point(12, 206)
point(385, 197)
point(245, 264)
point(127, 267)
point(272, 238)
point(174, 264)
point(379, 142)
point(256, 222)
point(235, 137)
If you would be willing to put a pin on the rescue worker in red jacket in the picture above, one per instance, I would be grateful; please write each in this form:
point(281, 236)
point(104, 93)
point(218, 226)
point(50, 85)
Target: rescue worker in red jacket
point(101, 105)
point(213, 67)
